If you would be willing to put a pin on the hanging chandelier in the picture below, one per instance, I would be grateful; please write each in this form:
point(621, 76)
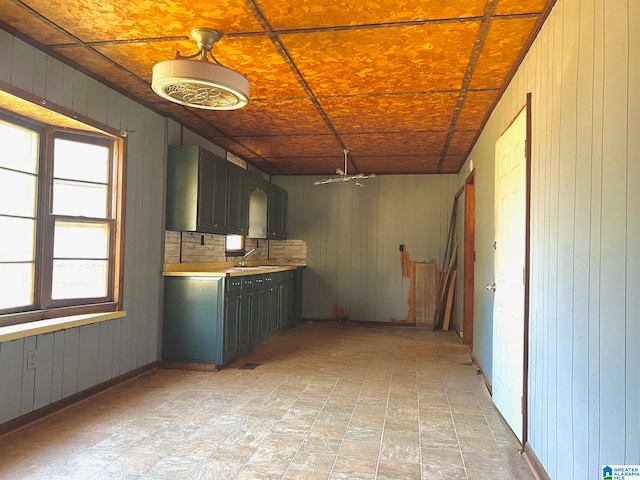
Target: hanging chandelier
point(202, 83)
point(343, 175)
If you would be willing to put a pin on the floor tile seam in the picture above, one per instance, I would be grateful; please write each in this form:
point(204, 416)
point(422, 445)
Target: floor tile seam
point(386, 411)
point(455, 429)
point(344, 436)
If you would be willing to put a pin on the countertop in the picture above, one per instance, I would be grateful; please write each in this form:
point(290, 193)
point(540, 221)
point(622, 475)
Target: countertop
point(224, 269)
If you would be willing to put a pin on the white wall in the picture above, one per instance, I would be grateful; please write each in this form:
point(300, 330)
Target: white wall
point(353, 234)
point(584, 373)
point(71, 360)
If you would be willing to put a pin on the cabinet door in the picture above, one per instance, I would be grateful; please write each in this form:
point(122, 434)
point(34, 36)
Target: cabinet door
point(244, 322)
point(232, 311)
point(220, 194)
point(238, 201)
point(206, 190)
point(265, 310)
point(286, 305)
point(277, 213)
point(256, 314)
point(274, 309)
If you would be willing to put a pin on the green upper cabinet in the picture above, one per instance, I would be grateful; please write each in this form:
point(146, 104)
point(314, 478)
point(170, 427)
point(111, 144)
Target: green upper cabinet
point(277, 213)
point(238, 200)
point(205, 193)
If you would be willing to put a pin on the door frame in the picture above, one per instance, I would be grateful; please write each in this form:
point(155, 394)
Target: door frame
point(527, 264)
point(469, 255)
point(527, 273)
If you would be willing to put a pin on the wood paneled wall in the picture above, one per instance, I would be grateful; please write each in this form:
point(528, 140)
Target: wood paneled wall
point(353, 236)
point(583, 72)
point(72, 360)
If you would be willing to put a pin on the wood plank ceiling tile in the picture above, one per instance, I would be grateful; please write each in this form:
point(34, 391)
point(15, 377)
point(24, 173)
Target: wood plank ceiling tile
point(511, 7)
point(452, 164)
point(270, 117)
point(292, 145)
point(502, 47)
point(461, 141)
point(407, 59)
point(236, 148)
point(390, 113)
point(324, 166)
point(417, 143)
point(475, 109)
point(22, 20)
point(99, 20)
point(398, 164)
point(293, 14)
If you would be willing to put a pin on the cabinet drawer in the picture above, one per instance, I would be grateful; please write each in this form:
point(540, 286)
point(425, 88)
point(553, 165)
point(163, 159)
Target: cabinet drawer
point(234, 284)
point(247, 282)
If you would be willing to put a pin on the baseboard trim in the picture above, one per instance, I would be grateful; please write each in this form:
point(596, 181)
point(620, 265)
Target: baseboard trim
point(487, 380)
point(361, 322)
point(535, 464)
point(40, 413)
point(203, 367)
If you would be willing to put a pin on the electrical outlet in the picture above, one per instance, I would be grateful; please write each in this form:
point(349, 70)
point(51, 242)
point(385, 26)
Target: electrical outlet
point(31, 360)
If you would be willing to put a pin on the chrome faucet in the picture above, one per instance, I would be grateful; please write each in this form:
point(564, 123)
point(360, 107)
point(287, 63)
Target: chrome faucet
point(250, 252)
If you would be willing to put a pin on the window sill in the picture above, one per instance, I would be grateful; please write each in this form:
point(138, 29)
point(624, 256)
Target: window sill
point(14, 332)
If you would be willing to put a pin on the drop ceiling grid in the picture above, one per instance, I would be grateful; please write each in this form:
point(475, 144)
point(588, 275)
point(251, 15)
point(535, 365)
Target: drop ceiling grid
point(270, 117)
point(358, 79)
point(390, 113)
point(408, 59)
point(104, 20)
point(307, 14)
point(18, 17)
point(395, 144)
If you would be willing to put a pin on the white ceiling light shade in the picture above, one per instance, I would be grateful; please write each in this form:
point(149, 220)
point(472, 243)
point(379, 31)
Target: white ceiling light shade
point(344, 175)
point(202, 83)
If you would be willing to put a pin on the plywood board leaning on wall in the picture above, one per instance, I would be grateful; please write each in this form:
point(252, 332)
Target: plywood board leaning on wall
point(426, 287)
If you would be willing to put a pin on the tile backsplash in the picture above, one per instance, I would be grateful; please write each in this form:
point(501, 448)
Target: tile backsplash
point(194, 247)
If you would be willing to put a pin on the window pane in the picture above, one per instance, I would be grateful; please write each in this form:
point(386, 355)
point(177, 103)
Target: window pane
point(81, 199)
point(81, 240)
point(79, 279)
point(17, 285)
point(235, 242)
point(17, 193)
point(80, 161)
point(19, 148)
point(17, 242)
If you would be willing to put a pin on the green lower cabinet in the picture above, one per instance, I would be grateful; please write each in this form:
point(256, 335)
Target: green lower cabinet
point(192, 331)
point(274, 310)
point(231, 321)
point(265, 309)
point(244, 322)
point(256, 314)
point(286, 305)
point(215, 320)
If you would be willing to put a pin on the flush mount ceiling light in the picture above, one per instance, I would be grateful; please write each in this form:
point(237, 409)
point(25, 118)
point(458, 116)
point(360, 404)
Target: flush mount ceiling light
point(202, 83)
point(344, 175)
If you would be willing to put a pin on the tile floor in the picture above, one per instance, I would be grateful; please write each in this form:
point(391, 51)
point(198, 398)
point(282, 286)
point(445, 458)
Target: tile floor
point(328, 401)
